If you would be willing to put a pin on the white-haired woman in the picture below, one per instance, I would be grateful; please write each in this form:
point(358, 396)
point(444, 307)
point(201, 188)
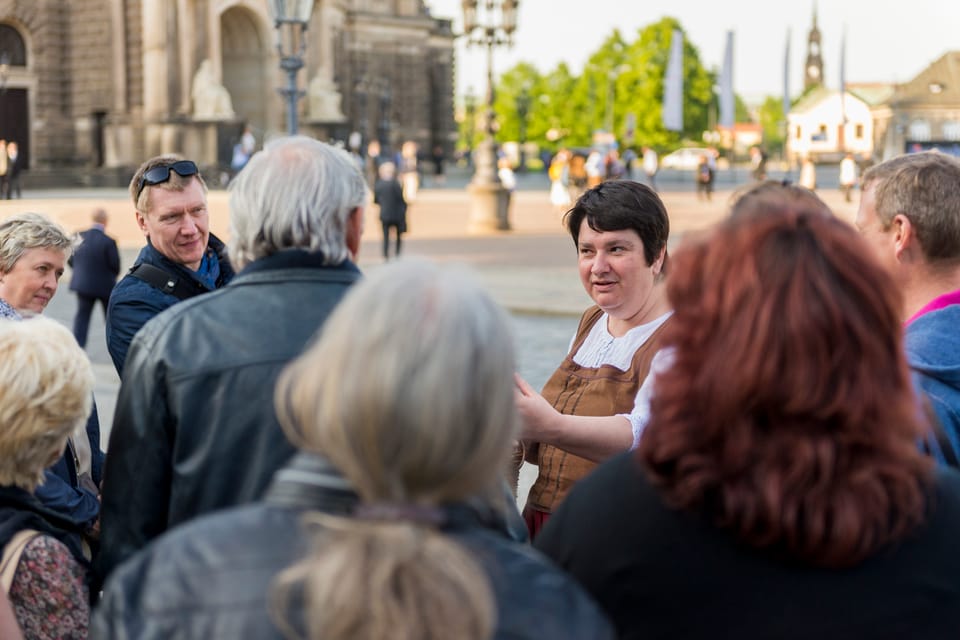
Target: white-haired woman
point(46, 385)
point(33, 252)
point(388, 524)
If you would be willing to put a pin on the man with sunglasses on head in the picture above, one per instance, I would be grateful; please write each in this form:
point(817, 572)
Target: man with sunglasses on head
point(182, 258)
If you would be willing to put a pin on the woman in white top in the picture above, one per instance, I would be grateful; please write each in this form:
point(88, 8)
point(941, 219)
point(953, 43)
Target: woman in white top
point(593, 407)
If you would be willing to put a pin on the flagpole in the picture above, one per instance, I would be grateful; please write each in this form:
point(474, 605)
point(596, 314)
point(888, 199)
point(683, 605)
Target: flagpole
point(672, 109)
point(842, 138)
point(786, 107)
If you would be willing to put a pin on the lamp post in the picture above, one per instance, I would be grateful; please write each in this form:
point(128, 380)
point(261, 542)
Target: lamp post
point(523, 109)
point(470, 105)
point(490, 23)
point(4, 71)
point(292, 17)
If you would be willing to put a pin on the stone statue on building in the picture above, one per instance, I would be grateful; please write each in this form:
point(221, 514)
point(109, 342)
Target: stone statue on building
point(211, 101)
point(324, 101)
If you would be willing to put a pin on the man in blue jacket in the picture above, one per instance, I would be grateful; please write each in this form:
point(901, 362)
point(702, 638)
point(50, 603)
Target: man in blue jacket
point(96, 264)
point(182, 258)
point(910, 214)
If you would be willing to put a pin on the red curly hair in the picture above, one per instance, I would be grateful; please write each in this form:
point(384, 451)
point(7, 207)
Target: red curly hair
point(788, 416)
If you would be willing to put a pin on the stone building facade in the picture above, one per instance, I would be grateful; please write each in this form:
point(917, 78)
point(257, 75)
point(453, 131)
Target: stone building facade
point(92, 88)
point(923, 113)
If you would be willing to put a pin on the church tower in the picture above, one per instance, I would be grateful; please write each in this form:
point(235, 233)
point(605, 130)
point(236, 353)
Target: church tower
point(813, 69)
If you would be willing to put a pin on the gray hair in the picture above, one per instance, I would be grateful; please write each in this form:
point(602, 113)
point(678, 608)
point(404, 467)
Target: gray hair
point(295, 193)
point(924, 187)
point(29, 231)
point(432, 424)
point(46, 389)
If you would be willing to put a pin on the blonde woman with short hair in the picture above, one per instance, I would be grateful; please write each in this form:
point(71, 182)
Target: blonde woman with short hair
point(46, 385)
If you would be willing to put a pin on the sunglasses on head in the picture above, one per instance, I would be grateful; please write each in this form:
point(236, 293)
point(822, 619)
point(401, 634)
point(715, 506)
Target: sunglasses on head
point(161, 173)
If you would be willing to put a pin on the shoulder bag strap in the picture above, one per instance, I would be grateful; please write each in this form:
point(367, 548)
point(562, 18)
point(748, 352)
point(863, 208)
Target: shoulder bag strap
point(11, 556)
point(166, 282)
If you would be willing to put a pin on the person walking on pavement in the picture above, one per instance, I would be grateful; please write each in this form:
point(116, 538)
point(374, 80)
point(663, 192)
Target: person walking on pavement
point(651, 164)
point(96, 265)
point(182, 258)
point(14, 166)
point(848, 175)
point(705, 177)
point(3, 168)
point(758, 164)
point(195, 429)
point(388, 193)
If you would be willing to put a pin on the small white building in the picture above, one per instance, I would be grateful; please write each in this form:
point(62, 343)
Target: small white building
point(825, 126)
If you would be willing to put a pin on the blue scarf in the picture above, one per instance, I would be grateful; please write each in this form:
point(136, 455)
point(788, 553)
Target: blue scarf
point(209, 270)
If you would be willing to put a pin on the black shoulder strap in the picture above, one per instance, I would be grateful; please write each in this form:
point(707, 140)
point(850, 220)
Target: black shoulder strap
point(166, 282)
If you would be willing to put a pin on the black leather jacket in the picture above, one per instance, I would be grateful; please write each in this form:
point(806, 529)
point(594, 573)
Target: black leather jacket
point(194, 429)
point(210, 578)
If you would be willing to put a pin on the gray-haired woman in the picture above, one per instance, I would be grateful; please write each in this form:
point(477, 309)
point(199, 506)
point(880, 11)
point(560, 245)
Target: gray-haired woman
point(389, 521)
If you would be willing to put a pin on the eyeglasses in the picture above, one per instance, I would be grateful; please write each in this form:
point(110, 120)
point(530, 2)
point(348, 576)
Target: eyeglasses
point(161, 173)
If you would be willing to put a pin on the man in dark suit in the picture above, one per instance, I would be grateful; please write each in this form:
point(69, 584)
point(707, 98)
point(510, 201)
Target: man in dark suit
point(96, 264)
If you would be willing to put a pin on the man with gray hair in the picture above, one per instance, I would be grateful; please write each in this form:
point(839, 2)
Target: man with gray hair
point(910, 214)
point(195, 429)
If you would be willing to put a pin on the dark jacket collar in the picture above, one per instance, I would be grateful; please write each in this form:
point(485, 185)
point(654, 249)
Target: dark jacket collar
point(295, 259)
point(150, 255)
point(20, 510)
point(309, 482)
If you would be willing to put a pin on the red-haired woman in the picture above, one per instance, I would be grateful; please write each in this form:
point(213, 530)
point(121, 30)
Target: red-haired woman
point(778, 490)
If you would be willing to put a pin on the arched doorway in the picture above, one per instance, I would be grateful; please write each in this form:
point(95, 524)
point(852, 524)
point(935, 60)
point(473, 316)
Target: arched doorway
point(244, 50)
point(14, 109)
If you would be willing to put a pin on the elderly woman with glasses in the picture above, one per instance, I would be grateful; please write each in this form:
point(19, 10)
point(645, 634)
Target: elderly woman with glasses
point(33, 251)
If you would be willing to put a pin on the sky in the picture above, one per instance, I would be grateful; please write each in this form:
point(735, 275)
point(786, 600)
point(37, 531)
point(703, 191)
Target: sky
point(885, 42)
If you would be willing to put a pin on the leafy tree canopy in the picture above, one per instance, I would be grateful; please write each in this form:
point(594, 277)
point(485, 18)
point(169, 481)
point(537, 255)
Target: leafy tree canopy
point(621, 87)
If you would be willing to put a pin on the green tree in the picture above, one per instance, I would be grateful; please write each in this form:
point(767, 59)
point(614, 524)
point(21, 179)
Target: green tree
point(516, 86)
point(770, 114)
point(648, 57)
point(622, 80)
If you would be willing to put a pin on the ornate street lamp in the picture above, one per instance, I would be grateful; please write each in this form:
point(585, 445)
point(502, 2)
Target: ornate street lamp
point(291, 17)
point(490, 23)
